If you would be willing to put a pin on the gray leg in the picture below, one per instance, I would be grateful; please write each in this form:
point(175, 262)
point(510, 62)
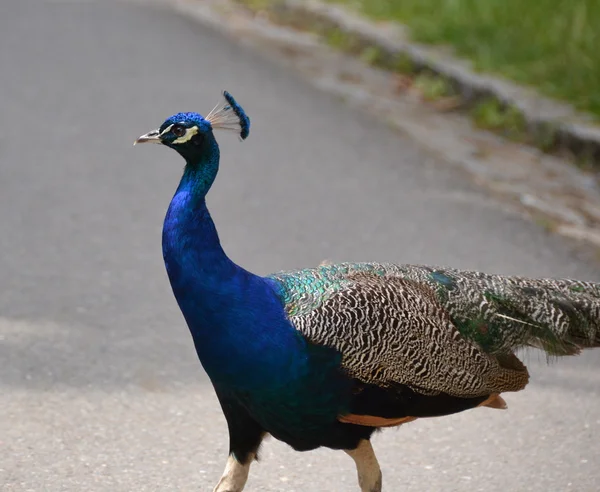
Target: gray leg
point(235, 475)
point(367, 467)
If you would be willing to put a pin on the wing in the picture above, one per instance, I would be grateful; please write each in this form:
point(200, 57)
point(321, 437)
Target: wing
point(438, 331)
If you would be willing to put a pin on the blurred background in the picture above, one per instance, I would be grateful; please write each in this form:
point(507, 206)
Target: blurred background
point(100, 388)
point(548, 44)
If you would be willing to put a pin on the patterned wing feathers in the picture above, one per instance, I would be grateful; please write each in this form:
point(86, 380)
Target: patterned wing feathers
point(393, 330)
point(500, 314)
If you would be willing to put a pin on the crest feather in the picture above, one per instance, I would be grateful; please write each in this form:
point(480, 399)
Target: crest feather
point(229, 115)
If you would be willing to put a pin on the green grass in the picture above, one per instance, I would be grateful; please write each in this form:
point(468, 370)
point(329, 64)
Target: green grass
point(492, 115)
point(552, 45)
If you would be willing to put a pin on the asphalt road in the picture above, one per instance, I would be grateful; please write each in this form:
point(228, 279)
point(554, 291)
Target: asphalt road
point(100, 389)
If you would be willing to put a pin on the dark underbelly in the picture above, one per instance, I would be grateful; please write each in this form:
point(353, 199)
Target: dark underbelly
point(304, 418)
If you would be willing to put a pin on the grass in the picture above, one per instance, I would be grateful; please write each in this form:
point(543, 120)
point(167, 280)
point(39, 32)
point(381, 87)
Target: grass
point(492, 115)
point(552, 45)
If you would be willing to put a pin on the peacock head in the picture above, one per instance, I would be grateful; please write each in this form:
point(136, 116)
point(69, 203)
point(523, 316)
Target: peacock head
point(191, 134)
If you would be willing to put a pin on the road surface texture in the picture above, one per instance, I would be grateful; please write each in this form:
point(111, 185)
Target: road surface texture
point(100, 386)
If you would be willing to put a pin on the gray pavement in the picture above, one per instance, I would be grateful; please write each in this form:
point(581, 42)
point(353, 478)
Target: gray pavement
point(100, 389)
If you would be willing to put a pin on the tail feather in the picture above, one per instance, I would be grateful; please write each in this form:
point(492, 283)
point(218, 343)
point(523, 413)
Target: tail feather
point(571, 323)
point(504, 313)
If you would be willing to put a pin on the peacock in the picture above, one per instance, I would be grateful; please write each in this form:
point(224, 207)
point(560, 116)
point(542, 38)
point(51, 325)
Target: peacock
point(328, 355)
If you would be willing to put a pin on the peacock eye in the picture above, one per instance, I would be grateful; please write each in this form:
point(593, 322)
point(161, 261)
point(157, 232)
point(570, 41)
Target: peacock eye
point(178, 130)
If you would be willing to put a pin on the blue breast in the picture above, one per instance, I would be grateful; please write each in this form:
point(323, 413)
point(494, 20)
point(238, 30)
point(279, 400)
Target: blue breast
point(242, 334)
point(240, 329)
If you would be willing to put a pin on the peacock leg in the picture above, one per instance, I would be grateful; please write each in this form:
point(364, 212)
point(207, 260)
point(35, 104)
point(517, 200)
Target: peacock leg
point(235, 475)
point(367, 467)
point(245, 436)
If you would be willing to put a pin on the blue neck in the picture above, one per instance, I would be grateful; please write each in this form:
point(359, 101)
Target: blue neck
point(202, 276)
point(191, 246)
point(190, 238)
point(234, 316)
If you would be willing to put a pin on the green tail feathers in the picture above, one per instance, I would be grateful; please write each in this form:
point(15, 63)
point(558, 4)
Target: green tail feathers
point(504, 313)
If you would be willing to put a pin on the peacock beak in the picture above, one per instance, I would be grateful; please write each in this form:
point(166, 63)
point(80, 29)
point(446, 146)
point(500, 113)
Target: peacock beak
point(152, 137)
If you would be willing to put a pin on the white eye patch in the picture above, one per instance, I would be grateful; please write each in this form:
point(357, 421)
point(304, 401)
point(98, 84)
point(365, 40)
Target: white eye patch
point(189, 133)
point(166, 130)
